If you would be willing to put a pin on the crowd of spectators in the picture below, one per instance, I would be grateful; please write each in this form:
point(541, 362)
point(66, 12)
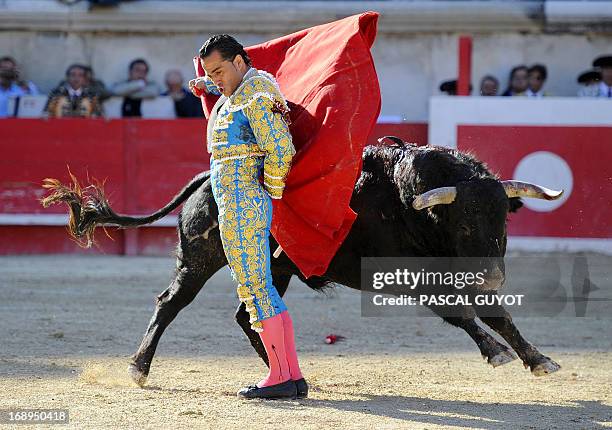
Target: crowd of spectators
point(81, 94)
point(529, 81)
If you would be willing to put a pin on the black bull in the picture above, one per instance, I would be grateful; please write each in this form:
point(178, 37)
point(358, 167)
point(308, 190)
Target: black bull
point(410, 202)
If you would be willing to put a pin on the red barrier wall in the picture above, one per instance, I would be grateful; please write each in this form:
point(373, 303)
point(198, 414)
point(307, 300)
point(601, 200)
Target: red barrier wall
point(144, 163)
point(586, 166)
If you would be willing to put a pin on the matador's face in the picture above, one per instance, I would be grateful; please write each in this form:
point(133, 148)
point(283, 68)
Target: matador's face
point(225, 74)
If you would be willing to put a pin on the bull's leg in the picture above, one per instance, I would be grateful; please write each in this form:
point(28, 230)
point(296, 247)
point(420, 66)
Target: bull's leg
point(281, 282)
point(539, 364)
point(494, 352)
point(201, 261)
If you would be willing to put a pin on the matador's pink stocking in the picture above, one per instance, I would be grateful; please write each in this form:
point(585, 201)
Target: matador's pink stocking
point(273, 338)
point(294, 367)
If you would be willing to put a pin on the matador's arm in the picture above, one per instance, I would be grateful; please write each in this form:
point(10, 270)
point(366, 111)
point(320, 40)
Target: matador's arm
point(273, 137)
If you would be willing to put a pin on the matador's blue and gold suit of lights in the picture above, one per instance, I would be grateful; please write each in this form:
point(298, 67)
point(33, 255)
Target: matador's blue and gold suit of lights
point(248, 137)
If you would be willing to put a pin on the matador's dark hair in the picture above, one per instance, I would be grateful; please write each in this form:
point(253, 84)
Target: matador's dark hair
point(227, 46)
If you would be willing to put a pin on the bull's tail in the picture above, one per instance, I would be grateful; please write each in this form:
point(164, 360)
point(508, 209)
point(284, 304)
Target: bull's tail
point(89, 206)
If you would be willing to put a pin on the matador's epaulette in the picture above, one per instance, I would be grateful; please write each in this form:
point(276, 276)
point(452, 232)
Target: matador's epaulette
point(262, 84)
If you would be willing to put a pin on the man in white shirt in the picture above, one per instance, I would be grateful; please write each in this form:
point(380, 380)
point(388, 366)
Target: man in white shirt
point(604, 65)
point(537, 75)
point(589, 83)
point(11, 85)
point(72, 98)
point(136, 88)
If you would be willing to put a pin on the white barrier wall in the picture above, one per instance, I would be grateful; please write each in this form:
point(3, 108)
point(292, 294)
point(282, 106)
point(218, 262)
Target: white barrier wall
point(32, 107)
point(446, 113)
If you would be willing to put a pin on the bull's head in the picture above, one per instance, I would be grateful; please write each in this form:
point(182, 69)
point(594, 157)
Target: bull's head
point(475, 217)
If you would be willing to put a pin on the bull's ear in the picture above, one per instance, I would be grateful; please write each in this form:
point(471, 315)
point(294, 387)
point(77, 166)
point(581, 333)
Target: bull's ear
point(515, 204)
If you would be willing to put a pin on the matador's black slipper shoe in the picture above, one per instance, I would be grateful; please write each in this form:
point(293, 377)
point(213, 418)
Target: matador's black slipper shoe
point(284, 390)
point(302, 388)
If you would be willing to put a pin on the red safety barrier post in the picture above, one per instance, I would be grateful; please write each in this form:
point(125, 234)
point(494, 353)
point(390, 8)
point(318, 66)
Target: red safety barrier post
point(465, 66)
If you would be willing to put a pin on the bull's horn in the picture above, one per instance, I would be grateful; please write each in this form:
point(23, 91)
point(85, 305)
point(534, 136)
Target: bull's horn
point(396, 140)
point(437, 196)
point(527, 189)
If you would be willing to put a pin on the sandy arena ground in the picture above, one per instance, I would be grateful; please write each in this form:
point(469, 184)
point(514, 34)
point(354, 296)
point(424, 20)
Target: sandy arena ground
point(68, 325)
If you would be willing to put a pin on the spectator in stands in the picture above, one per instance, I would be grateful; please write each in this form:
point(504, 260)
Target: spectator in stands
point(186, 104)
point(604, 87)
point(11, 85)
point(450, 87)
point(136, 88)
point(489, 86)
point(72, 98)
point(537, 75)
point(96, 86)
point(518, 82)
point(589, 83)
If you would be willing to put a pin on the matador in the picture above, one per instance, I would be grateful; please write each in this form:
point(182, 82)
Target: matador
point(251, 153)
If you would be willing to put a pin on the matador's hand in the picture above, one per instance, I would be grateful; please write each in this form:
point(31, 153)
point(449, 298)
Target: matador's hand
point(197, 83)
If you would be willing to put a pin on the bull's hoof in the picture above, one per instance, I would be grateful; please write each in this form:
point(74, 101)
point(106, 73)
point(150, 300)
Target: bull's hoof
point(139, 377)
point(546, 367)
point(502, 358)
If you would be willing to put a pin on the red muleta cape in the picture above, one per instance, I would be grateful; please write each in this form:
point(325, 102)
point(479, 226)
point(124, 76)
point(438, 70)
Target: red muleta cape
point(328, 77)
